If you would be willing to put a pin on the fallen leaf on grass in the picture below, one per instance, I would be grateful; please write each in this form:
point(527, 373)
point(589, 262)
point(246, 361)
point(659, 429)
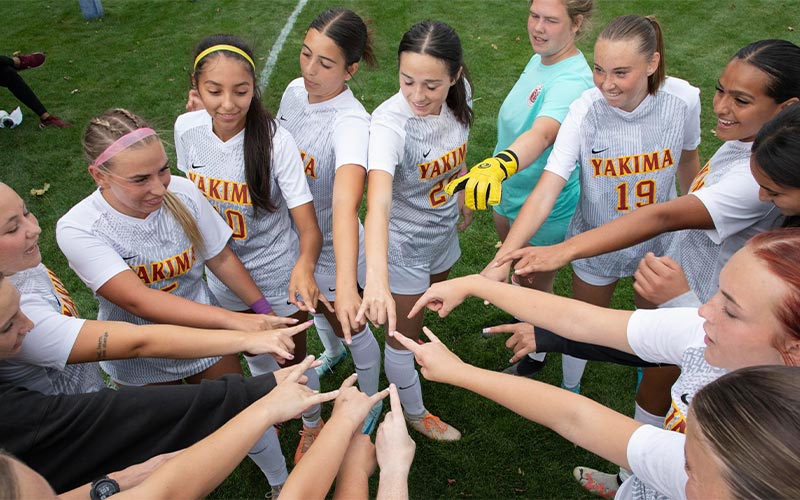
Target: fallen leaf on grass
point(67, 78)
point(40, 192)
point(498, 244)
point(517, 38)
point(451, 481)
point(494, 46)
point(790, 28)
point(74, 91)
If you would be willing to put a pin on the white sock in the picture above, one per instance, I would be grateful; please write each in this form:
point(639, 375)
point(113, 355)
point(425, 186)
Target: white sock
point(333, 344)
point(399, 368)
point(572, 370)
point(645, 417)
point(536, 356)
point(261, 364)
point(311, 416)
point(267, 454)
point(367, 358)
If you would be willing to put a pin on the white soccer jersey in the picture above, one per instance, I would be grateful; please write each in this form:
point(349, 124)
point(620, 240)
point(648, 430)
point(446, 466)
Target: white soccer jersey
point(100, 242)
point(41, 363)
point(329, 134)
point(423, 154)
point(730, 194)
point(267, 244)
point(627, 160)
point(673, 336)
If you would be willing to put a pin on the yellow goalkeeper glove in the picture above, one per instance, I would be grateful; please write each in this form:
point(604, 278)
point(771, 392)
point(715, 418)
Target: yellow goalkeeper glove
point(482, 185)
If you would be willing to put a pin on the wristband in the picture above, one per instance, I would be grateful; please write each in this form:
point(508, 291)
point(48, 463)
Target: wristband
point(261, 306)
point(508, 161)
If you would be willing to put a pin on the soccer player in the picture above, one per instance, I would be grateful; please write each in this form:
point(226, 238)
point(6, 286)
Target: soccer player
point(141, 248)
point(418, 143)
point(250, 169)
point(762, 79)
point(331, 128)
point(527, 125)
point(751, 321)
point(629, 137)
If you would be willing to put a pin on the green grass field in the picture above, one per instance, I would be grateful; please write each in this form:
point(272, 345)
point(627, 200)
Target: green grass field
point(138, 57)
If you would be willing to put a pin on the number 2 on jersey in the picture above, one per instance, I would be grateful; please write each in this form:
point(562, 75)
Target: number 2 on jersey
point(645, 191)
point(437, 196)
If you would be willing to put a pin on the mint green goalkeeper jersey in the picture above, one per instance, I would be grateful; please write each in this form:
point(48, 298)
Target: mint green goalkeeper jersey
point(542, 90)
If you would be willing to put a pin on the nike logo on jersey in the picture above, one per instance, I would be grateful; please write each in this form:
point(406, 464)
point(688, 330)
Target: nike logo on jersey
point(129, 258)
point(283, 119)
point(198, 166)
point(598, 151)
point(685, 398)
point(425, 155)
point(331, 289)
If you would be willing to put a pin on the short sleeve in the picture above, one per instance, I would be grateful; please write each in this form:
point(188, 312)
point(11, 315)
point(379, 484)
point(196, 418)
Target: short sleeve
point(351, 140)
point(387, 138)
point(663, 335)
point(733, 204)
point(558, 100)
point(566, 151)
point(93, 261)
point(50, 342)
point(662, 469)
point(288, 169)
point(691, 135)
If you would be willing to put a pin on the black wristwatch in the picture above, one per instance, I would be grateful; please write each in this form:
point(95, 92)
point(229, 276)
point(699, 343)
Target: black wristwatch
point(103, 488)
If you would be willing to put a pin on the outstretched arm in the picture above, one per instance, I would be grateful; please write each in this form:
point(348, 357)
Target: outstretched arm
point(530, 218)
point(378, 305)
point(580, 420)
point(218, 454)
point(103, 340)
point(128, 292)
point(302, 281)
point(313, 475)
point(348, 189)
point(570, 318)
point(684, 212)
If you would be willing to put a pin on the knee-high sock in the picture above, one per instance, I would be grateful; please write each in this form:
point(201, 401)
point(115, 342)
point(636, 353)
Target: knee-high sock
point(536, 356)
point(572, 370)
point(261, 364)
point(311, 416)
point(333, 344)
point(267, 454)
point(399, 368)
point(367, 358)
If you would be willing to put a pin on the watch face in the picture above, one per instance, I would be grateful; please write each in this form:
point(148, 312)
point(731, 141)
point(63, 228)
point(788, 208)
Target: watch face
point(104, 488)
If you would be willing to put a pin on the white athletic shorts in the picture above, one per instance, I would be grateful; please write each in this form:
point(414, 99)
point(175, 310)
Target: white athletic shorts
point(327, 282)
point(594, 279)
point(415, 280)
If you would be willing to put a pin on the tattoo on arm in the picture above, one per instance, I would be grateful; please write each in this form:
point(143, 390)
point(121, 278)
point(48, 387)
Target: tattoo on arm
point(102, 346)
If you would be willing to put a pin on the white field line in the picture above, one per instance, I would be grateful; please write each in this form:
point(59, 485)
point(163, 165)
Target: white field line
point(278, 46)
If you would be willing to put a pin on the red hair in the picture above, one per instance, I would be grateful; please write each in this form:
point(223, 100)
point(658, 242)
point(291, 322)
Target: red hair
point(779, 249)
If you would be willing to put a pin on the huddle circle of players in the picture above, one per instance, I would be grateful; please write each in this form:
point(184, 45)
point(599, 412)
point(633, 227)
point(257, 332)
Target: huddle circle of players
point(584, 172)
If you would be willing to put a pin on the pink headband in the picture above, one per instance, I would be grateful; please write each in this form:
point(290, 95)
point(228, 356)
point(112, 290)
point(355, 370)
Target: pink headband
point(123, 143)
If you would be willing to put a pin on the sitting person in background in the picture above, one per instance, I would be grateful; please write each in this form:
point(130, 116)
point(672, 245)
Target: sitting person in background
point(9, 78)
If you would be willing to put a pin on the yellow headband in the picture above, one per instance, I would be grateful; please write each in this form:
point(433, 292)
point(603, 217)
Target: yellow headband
point(229, 48)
